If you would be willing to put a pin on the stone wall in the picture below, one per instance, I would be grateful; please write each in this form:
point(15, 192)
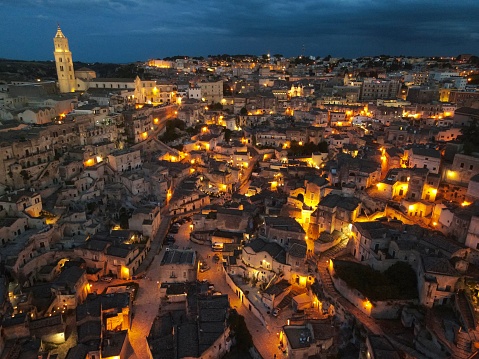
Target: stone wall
point(390, 309)
point(244, 299)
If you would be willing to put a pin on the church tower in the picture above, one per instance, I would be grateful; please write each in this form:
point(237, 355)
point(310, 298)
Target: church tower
point(64, 62)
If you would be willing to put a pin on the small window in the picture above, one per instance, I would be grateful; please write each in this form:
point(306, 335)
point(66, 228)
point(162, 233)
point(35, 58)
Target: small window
point(462, 165)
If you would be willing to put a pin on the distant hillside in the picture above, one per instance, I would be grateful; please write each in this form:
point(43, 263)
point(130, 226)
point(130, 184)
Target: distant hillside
point(17, 70)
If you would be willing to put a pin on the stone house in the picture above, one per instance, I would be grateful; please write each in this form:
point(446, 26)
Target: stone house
point(125, 160)
point(281, 230)
point(145, 220)
point(463, 168)
point(437, 280)
point(21, 202)
point(70, 288)
point(265, 260)
point(368, 238)
point(334, 212)
point(184, 201)
point(308, 339)
point(296, 258)
point(178, 266)
point(417, 157)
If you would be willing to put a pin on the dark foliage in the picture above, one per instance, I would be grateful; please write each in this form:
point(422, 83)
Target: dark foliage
point(215, 107)
point(244, 340)
point(171, 132)
point(470, 137)
point(398, 282)
point(307, 149)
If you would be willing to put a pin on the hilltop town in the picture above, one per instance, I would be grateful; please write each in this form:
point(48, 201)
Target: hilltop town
point(241, 207)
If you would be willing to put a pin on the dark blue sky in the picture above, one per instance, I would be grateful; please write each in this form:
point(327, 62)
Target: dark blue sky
point(129, 30)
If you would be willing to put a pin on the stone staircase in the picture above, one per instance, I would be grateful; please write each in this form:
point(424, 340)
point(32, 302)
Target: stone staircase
point(465, 310)
point(463, 344)
point(286, 302)
point(323, 264)
point(335, 251)
point(326, 281)
point(336, 298)
point(461, 349)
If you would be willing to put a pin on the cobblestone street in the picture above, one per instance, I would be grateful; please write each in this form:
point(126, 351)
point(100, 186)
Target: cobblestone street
point(265, 340)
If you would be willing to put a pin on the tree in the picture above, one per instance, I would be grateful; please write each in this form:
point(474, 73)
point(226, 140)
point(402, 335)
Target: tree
point(216, 107)
point(25, 175)
point(470, 135)
point(178, 147)
point(129, 71)
point(123, 218)
point(91, 206)
point(323, 147)
point(297, 149)
point(237, 324)
point(227, 135)
point(474, 60)
point(243, 111)
point(171, 127)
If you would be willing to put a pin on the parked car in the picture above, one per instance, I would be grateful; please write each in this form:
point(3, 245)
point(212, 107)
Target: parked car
point(174, 230)
point(169, 239)
point(106, 279)
point(275, 312)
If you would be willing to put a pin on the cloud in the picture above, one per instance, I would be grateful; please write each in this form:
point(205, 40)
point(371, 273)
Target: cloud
point(138, 28)
point(42, 17)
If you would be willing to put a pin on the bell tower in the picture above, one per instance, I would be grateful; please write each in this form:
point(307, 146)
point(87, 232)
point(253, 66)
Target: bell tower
point(64, 63)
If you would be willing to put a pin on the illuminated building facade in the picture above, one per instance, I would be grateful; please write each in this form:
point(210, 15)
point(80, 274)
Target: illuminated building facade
point(64, 63)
